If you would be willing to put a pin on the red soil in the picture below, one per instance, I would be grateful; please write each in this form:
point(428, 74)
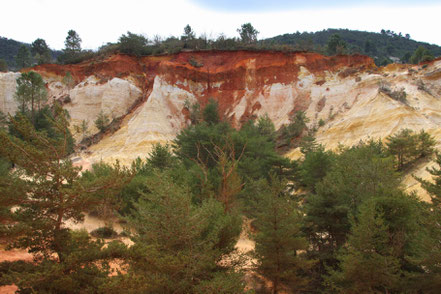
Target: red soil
point(223, 75)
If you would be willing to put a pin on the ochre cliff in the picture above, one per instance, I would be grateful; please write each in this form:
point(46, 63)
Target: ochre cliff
point(148, 94)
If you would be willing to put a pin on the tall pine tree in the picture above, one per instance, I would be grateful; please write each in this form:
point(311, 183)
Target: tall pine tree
point(279, 240)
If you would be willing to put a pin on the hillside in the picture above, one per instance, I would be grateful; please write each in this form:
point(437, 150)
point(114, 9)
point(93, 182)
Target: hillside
point(147, 96)
point(9, 49)
point(376, 45)
point(346, 98)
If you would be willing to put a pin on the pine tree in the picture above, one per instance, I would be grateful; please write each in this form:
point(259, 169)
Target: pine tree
point(49, 190)
point(367, 263)
point(188, 33)
point(72, 42)
point(357, 174)
point(178, 246)
point(161, 157)
point(248, 33)
point(72, 49)
point(403, 145)
point(336, 45)
point(31, 89)
point(23, 58)
point(315, 165)
point(102, 121)
point(431, 282)
point(210, 113)
point(434, 188)
point(266, 127)
point(425, 144)
point(86, 268)
point(41, 51)
point(279, 240)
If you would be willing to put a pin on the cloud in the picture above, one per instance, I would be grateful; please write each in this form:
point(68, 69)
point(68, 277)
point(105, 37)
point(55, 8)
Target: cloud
point(233, 6)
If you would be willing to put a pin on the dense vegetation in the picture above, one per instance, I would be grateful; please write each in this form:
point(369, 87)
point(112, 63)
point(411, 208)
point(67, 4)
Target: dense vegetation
point(380, 46)
point(9, 49)
point(384, 47)
point(332, 222)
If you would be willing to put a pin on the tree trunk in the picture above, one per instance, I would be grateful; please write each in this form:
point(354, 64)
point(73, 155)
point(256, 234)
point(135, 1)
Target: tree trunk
point(32, 105)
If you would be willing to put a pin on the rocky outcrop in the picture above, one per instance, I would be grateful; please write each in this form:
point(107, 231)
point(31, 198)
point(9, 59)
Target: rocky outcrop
point(341, 93)
point(7, 90)
point(114, 98)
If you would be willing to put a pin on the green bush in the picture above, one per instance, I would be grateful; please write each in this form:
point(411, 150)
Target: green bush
point(104, 232)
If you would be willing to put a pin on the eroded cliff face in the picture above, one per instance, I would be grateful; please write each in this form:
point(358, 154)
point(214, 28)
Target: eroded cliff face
point(149, 95)
point(7, 90)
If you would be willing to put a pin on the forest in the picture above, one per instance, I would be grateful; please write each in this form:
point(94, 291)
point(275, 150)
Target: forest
point(330, 222)
point(384, 47)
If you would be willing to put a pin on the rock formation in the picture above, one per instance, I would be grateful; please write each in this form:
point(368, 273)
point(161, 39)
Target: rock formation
point(351, 98)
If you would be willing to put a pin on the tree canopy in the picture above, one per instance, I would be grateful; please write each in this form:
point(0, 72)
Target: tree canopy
point(248, 33)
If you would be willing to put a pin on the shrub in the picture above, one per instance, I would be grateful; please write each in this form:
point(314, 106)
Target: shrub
point(104, 232)
point(399, 95)
point(193, 62)
point(102, 121)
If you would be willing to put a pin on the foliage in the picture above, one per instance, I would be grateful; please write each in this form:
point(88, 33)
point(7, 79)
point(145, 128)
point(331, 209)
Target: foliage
point(3, 65)
point(279, 239)
point(68, 80)
point(210, 114)
point(336, 45)
point(338, 196)
point(407, 146)
point(41, 51)
point(421, 54)
point(188, 33)
point(193, 62)
point(43, 123)
point(314, 167)
point(9, 49)
point(72, 42)
point(23, 58)
point(380, 45)
point(86, 267)
point(431, 280)
point(434, 188)
point(218, 156)
point(266, 127)
point(104, 232)
point(82, 128)
point(102, 121)
point(248, 33)
point(48, 190)
point(294, 129)
point(3, 120)
point(161, 157)
point(367, 265)
point(178, 245)
point(195, 111)
point(387, 244)
point(133, 44)
point(30, 89)
point(72, 52)
point(399, 95)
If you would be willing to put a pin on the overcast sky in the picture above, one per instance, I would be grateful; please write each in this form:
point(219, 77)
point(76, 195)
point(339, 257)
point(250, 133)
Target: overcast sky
point(101, 21)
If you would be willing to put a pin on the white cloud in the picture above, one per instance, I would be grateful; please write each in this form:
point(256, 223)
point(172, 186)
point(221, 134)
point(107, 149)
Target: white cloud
point(98, 22)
